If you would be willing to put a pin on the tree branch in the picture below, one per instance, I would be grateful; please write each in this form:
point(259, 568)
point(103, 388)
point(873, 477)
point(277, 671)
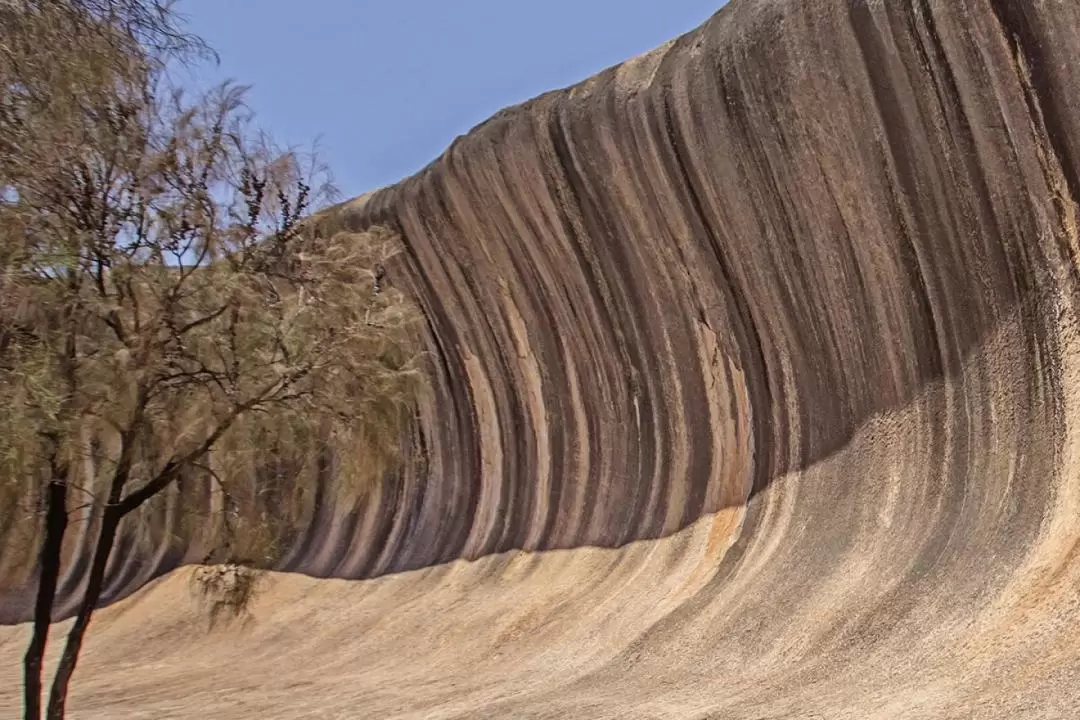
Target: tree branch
point(175, 465)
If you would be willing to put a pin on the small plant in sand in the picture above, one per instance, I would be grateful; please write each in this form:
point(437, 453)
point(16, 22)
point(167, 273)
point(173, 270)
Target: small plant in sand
point(225, 593)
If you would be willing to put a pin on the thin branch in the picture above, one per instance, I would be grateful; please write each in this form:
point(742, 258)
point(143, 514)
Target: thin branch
point(175, 465)
point(205, 319)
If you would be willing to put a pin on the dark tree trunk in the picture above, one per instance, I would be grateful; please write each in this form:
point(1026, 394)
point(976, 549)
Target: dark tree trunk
point(106, 537)
point(56, 520)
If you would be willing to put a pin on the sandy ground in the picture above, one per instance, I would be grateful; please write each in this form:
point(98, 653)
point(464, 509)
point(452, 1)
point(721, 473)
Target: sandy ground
point(803, 625)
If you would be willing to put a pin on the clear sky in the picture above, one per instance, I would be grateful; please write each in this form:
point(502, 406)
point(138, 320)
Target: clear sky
point(388, 84)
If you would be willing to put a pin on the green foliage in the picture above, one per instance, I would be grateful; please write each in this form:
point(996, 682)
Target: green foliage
point(168, 319)
point(172, 329)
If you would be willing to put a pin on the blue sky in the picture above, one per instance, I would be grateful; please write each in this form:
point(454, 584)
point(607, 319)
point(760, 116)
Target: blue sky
point(388, 84)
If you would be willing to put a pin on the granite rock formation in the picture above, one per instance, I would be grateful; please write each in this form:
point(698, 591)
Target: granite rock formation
point(774, 331)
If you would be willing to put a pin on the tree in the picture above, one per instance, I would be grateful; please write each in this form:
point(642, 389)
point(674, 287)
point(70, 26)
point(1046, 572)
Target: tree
point(163, 293)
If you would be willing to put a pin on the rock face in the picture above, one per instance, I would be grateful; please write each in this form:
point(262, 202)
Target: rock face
point(792, 300)
point(804, 228)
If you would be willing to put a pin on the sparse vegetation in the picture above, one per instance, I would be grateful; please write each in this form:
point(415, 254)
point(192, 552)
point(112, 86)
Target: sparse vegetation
point(169, 319)
point(226, 592)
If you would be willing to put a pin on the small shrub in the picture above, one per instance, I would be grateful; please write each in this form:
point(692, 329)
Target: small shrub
point(226, 592)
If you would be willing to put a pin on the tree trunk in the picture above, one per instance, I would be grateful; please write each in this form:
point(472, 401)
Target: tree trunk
point(56, 520)
point(110, 520)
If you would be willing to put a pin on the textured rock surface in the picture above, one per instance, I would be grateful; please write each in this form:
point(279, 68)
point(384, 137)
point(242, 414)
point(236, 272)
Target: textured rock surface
point(773, 331)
